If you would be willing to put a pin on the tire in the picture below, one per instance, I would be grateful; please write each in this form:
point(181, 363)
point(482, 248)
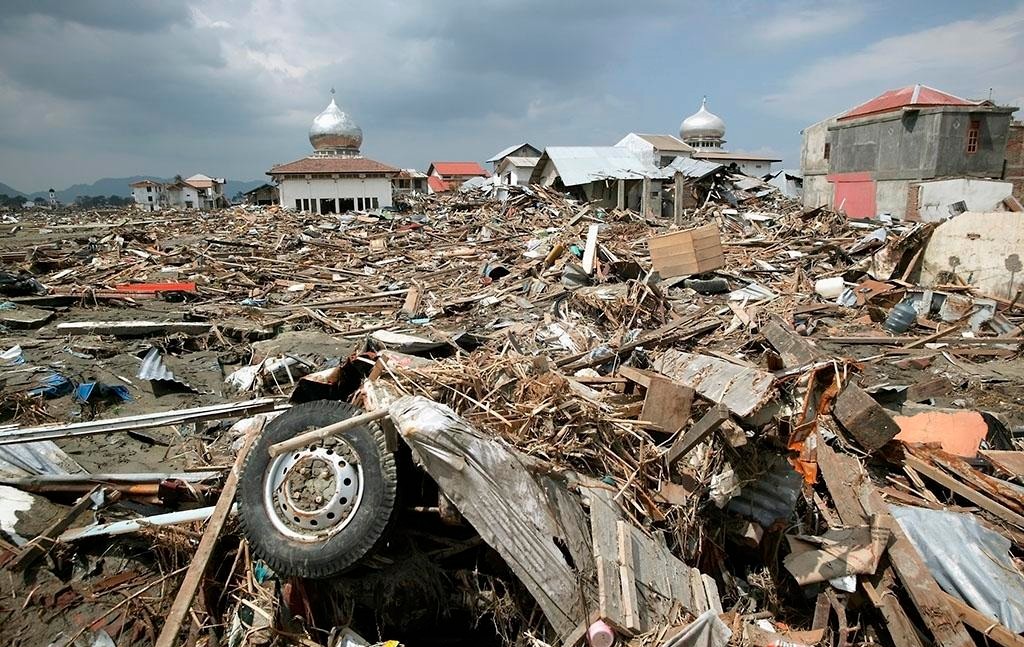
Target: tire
point(292, 550)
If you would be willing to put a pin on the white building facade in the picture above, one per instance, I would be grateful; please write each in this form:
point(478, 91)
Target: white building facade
point(657, 150)
point(335, 178)
point(148, 195)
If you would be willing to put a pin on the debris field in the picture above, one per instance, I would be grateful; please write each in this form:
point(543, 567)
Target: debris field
point(523, 421)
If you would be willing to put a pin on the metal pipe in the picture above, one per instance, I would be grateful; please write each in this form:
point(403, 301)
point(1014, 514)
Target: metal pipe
point(324, 432)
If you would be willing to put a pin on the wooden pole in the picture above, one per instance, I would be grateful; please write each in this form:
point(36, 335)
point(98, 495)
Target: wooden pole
point(197, 570)
point(330, 430)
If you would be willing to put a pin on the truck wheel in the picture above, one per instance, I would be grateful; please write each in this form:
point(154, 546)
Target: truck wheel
point(316, 511)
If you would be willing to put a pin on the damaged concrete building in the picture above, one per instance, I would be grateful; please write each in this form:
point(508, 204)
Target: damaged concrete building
point(899, 152)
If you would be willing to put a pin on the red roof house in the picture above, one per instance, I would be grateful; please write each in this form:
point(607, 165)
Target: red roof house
point(912, 96)
point(446, 176)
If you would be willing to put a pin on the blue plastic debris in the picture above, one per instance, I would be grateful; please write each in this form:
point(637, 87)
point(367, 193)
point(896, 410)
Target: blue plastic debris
point(254, 303)
point(94, 391)
point(54, 386)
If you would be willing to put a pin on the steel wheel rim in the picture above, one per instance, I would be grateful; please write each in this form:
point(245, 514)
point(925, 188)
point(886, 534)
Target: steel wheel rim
point(313, 493)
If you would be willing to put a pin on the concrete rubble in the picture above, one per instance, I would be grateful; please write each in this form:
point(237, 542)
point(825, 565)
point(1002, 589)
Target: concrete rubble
point(587, 451)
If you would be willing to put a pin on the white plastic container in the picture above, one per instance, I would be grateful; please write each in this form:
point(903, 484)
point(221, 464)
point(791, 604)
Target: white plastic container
point(829, 288)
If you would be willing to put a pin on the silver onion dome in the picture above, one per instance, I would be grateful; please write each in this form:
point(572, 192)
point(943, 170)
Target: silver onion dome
point(702, 125)
point(334, 130)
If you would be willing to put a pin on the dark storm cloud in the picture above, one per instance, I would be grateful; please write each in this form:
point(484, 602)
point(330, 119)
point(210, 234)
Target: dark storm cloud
point(135, 16)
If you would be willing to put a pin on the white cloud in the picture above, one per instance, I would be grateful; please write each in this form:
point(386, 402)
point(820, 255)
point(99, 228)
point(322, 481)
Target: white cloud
point(803, 23)
point(965, 58)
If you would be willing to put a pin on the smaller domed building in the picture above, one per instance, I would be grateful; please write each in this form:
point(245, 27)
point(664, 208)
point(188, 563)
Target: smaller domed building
point(335, 178)
point(705, 132)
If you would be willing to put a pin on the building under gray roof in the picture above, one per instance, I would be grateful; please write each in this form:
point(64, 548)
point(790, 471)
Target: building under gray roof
point(577, 165)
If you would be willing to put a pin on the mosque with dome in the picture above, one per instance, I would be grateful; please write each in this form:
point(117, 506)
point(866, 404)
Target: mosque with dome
point(701, 136)
point(705, 132)
point(335, 177)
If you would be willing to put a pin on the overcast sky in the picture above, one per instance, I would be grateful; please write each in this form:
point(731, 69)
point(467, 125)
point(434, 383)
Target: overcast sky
point(92, 89)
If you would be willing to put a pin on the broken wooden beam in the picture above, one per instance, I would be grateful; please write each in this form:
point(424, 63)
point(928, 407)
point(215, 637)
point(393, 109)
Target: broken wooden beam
point(197, 569)
point(667, 403)
point(863, 418)
point(965, 491)
point(712, 420)
point(984, 624)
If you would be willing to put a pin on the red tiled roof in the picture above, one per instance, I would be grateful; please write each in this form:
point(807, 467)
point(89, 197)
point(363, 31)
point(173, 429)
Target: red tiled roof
point(458, 168)
point(437, 184)
point(912, 95)
point(144, 183)
point(341, 165)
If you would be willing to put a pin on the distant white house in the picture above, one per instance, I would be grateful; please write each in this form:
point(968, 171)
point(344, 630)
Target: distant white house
point(196, 192)
point(409, 180)
point(514, 170)
point(657, 150)
point(525, 149)
point(148, 195)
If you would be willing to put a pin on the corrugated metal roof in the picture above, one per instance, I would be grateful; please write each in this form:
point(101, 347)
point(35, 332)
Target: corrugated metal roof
point(772, 497)
point(497, 157)
point(153, 368)
point(584, 164)
point(693, 168)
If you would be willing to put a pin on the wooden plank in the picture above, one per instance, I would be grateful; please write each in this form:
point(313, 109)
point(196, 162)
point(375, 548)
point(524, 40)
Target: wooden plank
point(843, 476)
point(697, 593)
point(917, 580)
point(604, 539)
point(197, 570)
point(863, 418)
point(879, 589)
point(711, 593)
point(412, 302)
point(627, 578)
point(793, 349)
point(1009, 462)
point(667, 404)
point(967, 492)
point(643, 378)
point(590, 250)
point(711, 421)
point(986, 625)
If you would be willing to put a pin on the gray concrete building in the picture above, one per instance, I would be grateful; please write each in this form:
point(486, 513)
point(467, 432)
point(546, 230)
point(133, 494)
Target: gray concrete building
point(877, 153)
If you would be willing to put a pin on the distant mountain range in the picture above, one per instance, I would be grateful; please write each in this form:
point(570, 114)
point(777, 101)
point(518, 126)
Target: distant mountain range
point(8, 190)
point(119, 186)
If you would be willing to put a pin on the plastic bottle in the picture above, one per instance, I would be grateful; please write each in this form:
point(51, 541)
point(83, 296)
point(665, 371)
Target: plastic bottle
point(901, 317)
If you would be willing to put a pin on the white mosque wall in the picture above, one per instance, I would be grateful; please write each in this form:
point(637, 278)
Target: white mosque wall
point(293, 189)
